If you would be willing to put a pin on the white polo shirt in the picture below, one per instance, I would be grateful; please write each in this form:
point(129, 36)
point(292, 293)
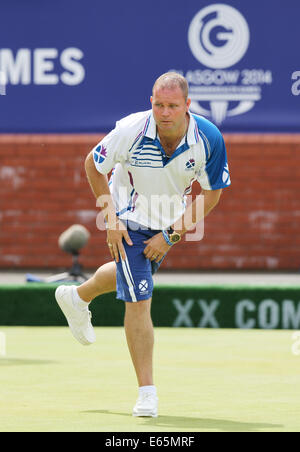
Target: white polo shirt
point(150, 188)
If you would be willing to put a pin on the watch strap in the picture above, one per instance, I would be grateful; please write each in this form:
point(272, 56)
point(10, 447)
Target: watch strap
point(166, 237)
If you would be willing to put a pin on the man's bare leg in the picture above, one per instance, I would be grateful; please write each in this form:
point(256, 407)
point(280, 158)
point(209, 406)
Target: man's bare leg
point(140, 339)
point(138, 323)
point(139, 334)
point(103, 281)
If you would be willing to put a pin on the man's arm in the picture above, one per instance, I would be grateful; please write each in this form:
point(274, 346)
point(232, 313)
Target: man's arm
point(195, 212)
point(115, 228)
point(97, 181)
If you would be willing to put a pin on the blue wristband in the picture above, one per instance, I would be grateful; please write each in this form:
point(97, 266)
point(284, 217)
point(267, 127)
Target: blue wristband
point(166, 237)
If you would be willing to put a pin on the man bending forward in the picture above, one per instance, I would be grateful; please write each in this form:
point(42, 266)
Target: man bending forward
point(156, 154)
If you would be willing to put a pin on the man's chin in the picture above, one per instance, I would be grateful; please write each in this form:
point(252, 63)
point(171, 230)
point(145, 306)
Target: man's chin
point(166, 125)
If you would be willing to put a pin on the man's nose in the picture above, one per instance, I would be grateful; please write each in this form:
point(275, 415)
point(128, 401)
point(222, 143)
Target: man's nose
point(166, 112)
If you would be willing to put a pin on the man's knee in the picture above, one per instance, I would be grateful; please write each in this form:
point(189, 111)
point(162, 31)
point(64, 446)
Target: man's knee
point(105, 277)
point(138, 307)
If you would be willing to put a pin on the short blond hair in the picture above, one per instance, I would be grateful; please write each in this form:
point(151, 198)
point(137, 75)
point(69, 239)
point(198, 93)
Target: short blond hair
point(171, 80)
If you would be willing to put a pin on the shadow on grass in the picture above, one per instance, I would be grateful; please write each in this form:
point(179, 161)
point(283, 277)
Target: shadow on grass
point(195, 423)
point(21, 362)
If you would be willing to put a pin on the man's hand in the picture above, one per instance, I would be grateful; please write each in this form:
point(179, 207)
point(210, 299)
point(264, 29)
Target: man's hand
point(156, 247)
point(115, 235)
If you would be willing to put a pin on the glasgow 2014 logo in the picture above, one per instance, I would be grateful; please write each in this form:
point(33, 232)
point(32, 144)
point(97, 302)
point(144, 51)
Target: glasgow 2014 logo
point(219, 37)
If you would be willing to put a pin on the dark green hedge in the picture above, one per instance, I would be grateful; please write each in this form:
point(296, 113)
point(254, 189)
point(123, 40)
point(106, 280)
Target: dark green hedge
point(183, 306)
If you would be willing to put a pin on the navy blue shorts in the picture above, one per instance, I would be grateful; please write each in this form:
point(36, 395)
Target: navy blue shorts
point(134, 274)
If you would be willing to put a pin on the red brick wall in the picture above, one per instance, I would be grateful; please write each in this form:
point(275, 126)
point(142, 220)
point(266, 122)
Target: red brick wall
point(43, 190)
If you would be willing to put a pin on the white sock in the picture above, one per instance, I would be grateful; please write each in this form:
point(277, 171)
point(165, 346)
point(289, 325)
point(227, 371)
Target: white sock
point(150, 388)
point(79, 303)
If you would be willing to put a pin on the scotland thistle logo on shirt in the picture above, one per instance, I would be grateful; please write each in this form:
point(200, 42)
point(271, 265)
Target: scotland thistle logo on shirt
point(100, 154)
point(190, 165)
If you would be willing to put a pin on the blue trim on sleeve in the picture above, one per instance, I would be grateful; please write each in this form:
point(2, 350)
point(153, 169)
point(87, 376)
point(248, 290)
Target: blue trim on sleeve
point(216, 166)
point(208, 132)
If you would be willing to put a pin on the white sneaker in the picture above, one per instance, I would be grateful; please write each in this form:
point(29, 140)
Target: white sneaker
point(79, 321)
point(146, 405)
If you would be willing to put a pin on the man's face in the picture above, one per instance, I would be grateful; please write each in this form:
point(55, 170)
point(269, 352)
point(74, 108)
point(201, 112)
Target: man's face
point(169, 108)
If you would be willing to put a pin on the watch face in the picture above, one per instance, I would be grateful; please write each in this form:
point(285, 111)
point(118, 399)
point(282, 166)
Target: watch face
point(175, 237)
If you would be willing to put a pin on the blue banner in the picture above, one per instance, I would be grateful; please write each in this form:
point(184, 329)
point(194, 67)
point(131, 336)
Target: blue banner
point(79, 66)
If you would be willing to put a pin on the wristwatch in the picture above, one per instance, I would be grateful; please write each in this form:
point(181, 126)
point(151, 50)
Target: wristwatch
point(174, 236)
